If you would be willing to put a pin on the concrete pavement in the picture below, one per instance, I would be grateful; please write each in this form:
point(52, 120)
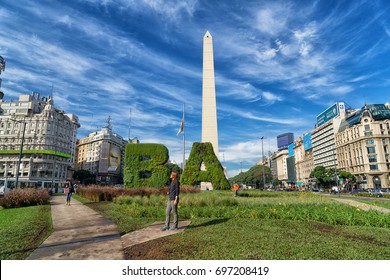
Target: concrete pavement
point(360, 205)
point(80, 233)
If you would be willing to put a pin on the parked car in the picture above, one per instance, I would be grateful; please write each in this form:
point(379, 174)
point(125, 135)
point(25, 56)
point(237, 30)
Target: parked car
point(376, 193)
point(356, 191)
point(2, 190)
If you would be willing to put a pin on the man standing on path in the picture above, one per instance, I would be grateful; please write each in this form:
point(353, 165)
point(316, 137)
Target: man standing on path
point(173, 201)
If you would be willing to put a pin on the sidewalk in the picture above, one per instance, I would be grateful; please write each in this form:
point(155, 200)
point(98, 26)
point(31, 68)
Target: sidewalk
point(80, 233)
point(361, 205)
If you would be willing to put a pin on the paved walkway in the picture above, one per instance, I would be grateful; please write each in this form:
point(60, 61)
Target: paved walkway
point(361, 205)
point(80, 233)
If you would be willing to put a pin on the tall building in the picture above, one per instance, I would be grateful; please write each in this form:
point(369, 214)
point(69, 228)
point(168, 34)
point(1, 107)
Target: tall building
point(37, 142)
point(323, 137)
point(209, 107)
point(303, 159)
point(279, 165)
point(363, 146)
point(102, 153)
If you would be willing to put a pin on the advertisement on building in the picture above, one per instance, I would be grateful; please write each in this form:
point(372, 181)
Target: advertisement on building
point(291, 150)
point(327, 115)
point(307, 144)
point(284, 140)
point(110, 159)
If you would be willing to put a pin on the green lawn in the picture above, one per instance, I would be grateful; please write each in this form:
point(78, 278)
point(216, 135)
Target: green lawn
point(22, 230)
point(257, 225)
point(275, 240)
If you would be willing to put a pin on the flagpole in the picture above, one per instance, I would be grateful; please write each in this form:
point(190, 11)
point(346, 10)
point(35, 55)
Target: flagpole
point(184, 141)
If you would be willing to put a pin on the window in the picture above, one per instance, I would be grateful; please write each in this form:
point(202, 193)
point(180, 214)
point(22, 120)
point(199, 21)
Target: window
point(373, 167)
point(371, 150)
point(370, 142)
point(367, 127)
point(372, 159)
point(368, 133)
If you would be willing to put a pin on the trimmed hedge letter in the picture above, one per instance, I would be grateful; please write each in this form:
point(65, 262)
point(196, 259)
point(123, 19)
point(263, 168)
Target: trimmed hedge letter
point(145, 166)
point(214, 173)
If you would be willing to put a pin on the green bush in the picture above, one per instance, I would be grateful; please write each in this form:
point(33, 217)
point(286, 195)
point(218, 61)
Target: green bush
point(98, 193)
point(25, 197)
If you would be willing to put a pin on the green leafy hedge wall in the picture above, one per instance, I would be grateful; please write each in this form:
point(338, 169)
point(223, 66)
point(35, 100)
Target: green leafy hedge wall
point(203, 152)
point(145, 166)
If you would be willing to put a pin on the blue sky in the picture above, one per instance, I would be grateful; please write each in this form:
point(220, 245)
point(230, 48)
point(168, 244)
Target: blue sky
point(278, 64)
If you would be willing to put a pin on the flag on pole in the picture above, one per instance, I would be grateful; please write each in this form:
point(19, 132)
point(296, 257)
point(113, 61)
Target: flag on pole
point(181, 129)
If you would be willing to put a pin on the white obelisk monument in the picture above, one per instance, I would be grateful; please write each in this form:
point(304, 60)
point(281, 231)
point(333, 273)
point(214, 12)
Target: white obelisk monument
point(209, 104)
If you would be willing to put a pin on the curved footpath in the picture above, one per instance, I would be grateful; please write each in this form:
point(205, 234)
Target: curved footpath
point(80, 233)
point(360, 205)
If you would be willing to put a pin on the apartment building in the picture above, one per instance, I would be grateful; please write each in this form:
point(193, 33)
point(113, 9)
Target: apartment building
point(279, 165)
point(102, 153)
point(363, 146)
point(323, 137)
point(37, 142)
point(304, 164)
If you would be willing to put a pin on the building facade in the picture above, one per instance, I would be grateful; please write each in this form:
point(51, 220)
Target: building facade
point(102, 153)
point(279, 165)
point(363, 146)
point(304, 164)
point(323, 137)
point(37, 142)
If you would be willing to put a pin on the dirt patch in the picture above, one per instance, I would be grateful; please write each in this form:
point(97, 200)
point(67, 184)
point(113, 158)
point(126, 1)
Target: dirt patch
point(151, 250)
point(160, 249)
point(324, 227)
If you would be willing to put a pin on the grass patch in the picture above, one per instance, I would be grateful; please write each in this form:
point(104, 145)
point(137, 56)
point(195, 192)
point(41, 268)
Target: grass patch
point(251, 239)
point(255, 225)
point(23, 230)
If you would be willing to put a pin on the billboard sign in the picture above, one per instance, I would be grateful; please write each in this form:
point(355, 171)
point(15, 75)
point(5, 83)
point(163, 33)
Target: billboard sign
point(110, 158)
point(291, 150)
point(284, 140)
point(327, 115)
point(307, 144)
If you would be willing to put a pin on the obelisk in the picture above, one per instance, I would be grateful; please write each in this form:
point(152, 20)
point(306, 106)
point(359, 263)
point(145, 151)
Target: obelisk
point(209, 104)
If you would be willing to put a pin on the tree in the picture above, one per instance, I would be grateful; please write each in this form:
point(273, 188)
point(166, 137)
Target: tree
point(254, 176)
point(84, 176)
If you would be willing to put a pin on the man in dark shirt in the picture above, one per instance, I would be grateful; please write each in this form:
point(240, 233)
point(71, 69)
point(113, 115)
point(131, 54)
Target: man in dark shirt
point(173, 201)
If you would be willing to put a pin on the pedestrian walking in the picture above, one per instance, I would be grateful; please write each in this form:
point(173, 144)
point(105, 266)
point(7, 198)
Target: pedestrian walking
point(69, 190)
point(173, 202)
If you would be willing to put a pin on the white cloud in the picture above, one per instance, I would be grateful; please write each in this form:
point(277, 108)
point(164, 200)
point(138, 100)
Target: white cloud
point(271, 97)
point(272, 19)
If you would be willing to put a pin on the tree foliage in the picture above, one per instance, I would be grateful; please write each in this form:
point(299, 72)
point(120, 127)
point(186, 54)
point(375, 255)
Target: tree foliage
point(84, 176)
point(254, 176)
point(328, 176)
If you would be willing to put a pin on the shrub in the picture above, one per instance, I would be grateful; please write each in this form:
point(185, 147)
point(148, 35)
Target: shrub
point(99, 193)
point(25, 197)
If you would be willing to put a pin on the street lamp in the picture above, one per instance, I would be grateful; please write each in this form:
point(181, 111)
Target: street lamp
point(262, 159)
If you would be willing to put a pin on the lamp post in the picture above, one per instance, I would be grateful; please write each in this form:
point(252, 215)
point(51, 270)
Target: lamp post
point(20, 153)
point(262, 159)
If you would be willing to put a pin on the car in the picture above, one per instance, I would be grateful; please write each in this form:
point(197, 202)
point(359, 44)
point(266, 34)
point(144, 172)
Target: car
point(356, 191)
point(2, 190)
point(376, 193)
